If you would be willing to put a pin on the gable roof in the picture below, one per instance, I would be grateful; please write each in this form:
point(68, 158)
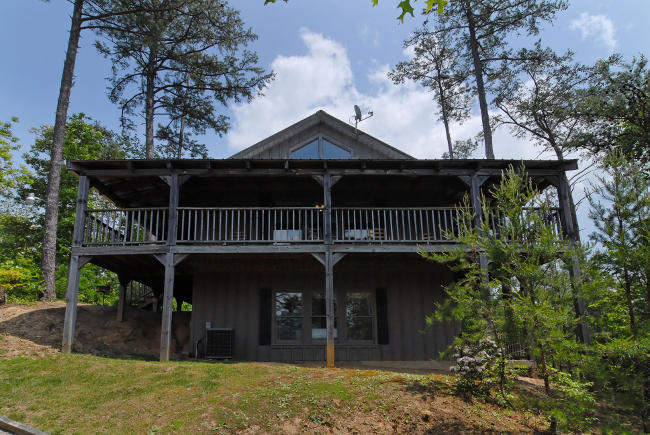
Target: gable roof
point(279, 145)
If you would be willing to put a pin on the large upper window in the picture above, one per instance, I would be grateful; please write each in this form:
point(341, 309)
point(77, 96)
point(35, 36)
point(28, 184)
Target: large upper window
point(320, 148)
point(288, 316)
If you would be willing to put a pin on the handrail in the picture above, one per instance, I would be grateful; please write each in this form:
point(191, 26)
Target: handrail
point(282, 225)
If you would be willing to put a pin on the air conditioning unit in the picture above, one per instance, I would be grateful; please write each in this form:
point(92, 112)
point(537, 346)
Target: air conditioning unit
point(219, 343)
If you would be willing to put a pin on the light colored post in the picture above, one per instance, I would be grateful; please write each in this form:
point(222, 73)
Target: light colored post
point(329, 306)
point(327, 212)
point(475, 192)
point(571, 231)
point(121, 302)
point(74, 271)
point(166, 329)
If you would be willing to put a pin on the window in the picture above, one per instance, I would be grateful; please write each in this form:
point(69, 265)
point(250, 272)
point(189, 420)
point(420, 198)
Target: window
point(359, 314)
point(331, 151)
point(321, 149)
point(309, 151)
point(319, 319)
point(288, 316)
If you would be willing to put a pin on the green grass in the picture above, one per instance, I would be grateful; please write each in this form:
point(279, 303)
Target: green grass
point(87, 394)
point(81, 393)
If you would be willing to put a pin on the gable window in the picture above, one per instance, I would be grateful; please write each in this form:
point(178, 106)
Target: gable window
point(360, 315)
point(320, 148)
point(288, 316)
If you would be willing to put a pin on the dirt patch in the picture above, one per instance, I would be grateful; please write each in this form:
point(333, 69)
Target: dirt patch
point(37, 330)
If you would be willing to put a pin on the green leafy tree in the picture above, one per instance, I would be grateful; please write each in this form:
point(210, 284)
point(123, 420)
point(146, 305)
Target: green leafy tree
point(178, 63)
point(436, 67)
point(482, 29)
point(618, 109)
point(86, 14)
point(621, 214)
point(8, 145)
point(527, 297)
point(84, 140)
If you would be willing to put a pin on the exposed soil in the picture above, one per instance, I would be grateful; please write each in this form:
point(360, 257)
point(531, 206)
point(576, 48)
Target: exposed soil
point(37, 330)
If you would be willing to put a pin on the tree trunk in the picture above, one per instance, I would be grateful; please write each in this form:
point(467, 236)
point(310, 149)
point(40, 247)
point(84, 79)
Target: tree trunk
point(628, 297)
point(56, 155)
point(149, 105)
point(480, 85)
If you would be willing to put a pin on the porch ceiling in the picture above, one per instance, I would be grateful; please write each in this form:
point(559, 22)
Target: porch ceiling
point(137, 183)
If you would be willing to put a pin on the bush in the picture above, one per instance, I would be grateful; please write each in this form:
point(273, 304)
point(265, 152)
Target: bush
point(477, 367)
point(19, 278)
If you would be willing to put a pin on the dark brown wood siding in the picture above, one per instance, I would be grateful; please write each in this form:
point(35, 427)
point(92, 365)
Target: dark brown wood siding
point(227, 293)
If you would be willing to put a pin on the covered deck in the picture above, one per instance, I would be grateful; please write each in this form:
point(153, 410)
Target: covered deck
point(166, 210)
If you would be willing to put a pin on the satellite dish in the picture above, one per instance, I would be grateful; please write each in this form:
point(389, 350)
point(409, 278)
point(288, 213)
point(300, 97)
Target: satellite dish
point(358, 117)
point(357, 113)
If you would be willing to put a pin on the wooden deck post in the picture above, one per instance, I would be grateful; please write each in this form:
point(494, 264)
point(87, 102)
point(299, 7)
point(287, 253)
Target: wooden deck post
point(475, 182)
point(76, 263)
point(329, 307)
point(168, 294)
point(327, 213)
point(121, 302)
point(166, 329)
point(571, 231)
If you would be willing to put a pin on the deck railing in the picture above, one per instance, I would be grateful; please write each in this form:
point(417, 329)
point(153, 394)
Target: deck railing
point(395, 225)
point(250, 225)
point(283, 225)
point(122, 226)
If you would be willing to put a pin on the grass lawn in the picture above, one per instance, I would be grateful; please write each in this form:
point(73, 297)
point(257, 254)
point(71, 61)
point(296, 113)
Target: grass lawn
point(83, 394)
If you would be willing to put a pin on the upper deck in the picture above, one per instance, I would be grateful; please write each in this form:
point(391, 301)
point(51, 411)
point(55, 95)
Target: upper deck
point(243, 205)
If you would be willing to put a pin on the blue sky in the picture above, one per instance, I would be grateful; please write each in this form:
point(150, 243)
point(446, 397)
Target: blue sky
point(327, 54)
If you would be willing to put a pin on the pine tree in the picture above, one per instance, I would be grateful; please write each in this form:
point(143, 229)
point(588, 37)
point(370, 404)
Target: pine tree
point(436, 66)
point(178, 63)
point(482, 29)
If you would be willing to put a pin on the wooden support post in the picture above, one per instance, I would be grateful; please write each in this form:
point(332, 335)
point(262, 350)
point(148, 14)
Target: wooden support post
point(570, 229)
point(168, 293)
point(329, 307)
point(168, 305)
point(121, 302)
point(76, 263)
point(327, 212)
point(72, 298)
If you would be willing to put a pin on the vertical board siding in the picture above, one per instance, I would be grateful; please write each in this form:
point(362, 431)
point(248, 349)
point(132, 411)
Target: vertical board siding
point(227, 294)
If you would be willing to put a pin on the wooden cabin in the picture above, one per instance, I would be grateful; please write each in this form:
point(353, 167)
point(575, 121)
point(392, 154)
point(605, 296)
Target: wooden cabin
point(302, 247)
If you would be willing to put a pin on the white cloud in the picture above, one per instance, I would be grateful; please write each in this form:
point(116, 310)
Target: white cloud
point(599, 27)
point(404, 116)
point(322, 78)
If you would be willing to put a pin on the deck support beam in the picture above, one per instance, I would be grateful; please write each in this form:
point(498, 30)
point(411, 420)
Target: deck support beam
point(121, 302)
point(76, 263)
point(168, 305)
point(570, 229)
point(329, 307)
point(170, 266)
point(72, 298)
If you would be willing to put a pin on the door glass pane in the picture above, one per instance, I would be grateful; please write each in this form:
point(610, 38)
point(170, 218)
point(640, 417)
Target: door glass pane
point(360, 328)
point(319, 319)
point(289, 328)
point(358, 304)
point(309, 151)
point(288, 315)
point(359, 315)
point(331, 151)
point(288, 304)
